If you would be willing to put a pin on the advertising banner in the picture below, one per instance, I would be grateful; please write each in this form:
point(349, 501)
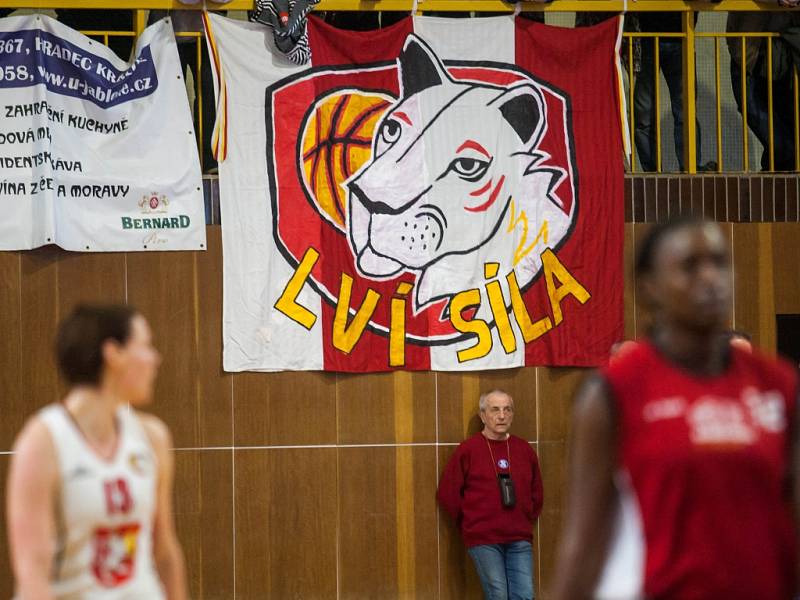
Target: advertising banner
point(96, 154)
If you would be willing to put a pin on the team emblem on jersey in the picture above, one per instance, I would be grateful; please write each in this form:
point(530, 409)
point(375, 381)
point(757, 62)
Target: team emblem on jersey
point(723, 421)
point(418, 173)
point(114, 549)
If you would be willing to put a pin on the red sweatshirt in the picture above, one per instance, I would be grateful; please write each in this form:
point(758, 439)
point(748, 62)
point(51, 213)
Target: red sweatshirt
point(469, 492)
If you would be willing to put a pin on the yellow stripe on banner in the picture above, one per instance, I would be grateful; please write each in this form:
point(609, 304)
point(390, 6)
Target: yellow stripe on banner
point(631, 86)
point(219, 138)
point(623, 113)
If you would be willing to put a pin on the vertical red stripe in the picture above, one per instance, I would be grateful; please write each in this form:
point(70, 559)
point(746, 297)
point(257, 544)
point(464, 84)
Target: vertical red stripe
point(332, 46)
point(580, 62)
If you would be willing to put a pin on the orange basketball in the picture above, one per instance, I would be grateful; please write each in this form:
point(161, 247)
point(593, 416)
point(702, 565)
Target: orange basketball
point(337, 141)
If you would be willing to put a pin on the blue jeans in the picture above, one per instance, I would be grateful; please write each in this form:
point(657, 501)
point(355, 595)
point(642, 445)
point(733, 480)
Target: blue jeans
point(670, 62)
point(505, 570)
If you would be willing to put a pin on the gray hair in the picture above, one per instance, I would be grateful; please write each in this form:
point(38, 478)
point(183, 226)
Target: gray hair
point(485, 396)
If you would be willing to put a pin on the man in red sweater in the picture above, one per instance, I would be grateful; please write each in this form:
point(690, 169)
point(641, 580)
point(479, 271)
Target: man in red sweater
point(492, 487)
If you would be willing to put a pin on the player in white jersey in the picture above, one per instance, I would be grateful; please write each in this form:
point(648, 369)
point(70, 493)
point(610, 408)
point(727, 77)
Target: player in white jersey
point(90, 486)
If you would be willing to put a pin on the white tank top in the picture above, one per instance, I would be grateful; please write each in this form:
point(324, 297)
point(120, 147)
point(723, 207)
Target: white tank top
point(105, 511)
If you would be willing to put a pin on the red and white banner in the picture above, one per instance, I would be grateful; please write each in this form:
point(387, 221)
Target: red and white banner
point(440, 194)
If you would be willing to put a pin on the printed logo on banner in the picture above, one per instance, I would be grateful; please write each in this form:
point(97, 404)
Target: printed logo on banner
point(441, 199)
point(151, 203)
point(153, 220)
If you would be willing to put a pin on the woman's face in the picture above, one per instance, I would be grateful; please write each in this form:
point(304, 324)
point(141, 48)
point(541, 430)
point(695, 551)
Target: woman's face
point(134, 365)
point(690, 284)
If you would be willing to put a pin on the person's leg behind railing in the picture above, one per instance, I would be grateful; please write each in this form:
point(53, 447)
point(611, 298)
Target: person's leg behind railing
point(757, 114)
point(783, 124)
point(671, 63)
point(644, 108)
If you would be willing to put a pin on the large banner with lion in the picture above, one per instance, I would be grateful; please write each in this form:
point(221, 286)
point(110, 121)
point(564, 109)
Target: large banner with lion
point(440, 194)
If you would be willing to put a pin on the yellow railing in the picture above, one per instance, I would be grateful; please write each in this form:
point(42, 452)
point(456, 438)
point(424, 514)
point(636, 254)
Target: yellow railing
point(689, 38)
point(422, 5)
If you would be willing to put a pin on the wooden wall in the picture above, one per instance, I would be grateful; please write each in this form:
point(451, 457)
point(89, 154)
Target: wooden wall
point(313, 485)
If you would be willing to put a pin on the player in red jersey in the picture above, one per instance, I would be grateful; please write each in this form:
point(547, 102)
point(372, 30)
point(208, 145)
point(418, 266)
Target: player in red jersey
point(683, 470)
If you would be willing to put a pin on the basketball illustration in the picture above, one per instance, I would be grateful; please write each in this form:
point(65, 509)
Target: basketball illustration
point(337, 142)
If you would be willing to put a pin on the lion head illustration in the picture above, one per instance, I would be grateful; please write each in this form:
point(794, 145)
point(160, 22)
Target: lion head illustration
point(456, 179)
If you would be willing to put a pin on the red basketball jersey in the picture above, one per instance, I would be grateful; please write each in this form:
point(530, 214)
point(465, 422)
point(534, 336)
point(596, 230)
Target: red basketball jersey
point(708, 462)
